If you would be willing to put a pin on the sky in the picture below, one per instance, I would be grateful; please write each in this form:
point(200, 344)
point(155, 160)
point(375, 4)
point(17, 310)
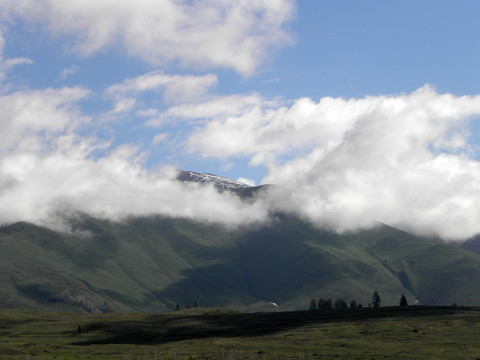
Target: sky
point(360, 111)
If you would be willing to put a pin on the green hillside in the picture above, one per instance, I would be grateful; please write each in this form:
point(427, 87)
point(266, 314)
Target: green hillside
point(151, 264)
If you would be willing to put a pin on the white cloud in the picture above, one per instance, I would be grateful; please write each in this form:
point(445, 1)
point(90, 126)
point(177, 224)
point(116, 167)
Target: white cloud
point(213, 107)
point(266, 129)
point(176, 88)
point(157, 139)
point(411, 122)
point(250, 182)
point(344, 164)
point(48, 171)
point(69, 71)
point(39, 188)
point(402, 160)
point(169, 30)
point(127, 95)
point(124, 105)
point(150, 112)
point(30, 117)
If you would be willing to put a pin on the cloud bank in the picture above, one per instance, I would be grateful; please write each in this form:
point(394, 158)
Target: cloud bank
point(404, 160)
point(47, 171)
point(345, 164)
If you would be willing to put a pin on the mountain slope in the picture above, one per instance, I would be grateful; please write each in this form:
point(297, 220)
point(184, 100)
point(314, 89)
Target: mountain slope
point(150, 264)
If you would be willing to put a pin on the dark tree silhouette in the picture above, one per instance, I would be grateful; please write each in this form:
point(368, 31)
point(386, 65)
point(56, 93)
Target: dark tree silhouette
point(375, 299)
point(328, 304)
point(340, 304)
point(403, 301)
point(353, 304)
point(324, 303)
point(313, 305)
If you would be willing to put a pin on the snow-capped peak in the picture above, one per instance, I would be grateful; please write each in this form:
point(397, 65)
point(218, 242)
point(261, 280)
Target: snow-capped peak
point(219, 181)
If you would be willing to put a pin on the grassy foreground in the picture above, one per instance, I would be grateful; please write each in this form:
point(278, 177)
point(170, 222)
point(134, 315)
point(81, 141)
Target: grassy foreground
point(385, 333)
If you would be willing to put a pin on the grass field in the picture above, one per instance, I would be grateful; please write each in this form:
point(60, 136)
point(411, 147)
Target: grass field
point(385, 333)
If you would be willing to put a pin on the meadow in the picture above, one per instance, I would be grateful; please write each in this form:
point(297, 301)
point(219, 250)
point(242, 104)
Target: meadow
point(415, 332)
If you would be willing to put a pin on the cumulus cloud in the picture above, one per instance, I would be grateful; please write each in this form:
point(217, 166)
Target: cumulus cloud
point(48, 170)
point(167, 31)
point(211, 108)
point(29, 118)
point(176, 88)
point(114, 187)
point(127, 95)
point(344, 164)
point(403, 160)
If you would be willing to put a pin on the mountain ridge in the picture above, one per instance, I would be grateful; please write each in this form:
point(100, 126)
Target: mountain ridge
point(152, 263)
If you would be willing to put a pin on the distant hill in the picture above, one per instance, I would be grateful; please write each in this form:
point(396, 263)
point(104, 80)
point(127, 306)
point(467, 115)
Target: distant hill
point(151, 264)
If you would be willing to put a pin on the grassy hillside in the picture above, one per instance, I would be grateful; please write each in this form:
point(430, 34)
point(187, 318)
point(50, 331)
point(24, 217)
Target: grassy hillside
point(151, 264)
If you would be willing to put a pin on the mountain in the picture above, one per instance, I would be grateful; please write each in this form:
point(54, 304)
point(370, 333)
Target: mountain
point(219, 181)
point(245, 191)
point(151, 264)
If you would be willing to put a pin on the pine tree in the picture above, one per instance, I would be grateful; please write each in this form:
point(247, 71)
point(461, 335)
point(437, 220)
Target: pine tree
point(328, 304)
point(403, 301)
point(324, 303)
point(340, 304)
point(375, 299)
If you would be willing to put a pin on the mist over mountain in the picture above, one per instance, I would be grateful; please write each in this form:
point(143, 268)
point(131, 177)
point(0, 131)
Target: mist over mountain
point(401, 160)
point(152, 263)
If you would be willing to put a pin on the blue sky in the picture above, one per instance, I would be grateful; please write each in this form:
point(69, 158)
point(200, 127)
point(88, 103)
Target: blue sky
point(275, 91)
point(336, 48)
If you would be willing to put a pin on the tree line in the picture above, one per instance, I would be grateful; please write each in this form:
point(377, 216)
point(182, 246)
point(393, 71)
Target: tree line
point(188, 306)
point(328, 304)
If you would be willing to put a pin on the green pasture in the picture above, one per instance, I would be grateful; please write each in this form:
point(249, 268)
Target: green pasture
point(385, 333)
